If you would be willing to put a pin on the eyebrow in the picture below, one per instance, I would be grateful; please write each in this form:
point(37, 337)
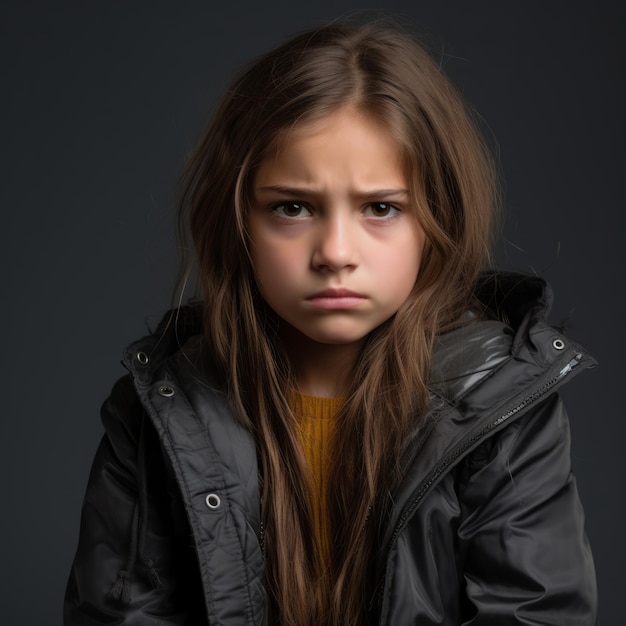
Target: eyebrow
point(301, 191)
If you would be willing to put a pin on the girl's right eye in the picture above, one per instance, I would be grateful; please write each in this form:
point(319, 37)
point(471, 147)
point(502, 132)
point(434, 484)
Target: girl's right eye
point(290, 210)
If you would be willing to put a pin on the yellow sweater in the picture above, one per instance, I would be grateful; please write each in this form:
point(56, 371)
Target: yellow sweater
point(316, 418)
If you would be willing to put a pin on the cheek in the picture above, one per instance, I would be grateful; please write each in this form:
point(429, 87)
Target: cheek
point(275, 265)
point(414, 253)
point(407, 270)
point(398, 266)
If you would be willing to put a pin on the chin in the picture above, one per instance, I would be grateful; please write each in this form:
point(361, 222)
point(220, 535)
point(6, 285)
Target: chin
point(337, 338)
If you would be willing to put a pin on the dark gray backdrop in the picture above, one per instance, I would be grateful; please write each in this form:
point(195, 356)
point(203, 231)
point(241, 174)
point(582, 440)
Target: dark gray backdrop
point(101, 102)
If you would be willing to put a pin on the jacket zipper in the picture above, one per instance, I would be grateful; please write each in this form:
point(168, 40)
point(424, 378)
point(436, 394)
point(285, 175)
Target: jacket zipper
point(468, 444)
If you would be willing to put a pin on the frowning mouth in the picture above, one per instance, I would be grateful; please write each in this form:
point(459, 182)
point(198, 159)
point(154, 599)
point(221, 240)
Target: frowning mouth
point(336, 299)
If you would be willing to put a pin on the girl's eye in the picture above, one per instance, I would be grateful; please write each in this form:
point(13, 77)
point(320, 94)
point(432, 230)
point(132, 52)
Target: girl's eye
point(290, 210)
point(381, 210)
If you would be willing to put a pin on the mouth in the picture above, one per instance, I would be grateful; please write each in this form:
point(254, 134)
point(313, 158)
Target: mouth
point(333, 299)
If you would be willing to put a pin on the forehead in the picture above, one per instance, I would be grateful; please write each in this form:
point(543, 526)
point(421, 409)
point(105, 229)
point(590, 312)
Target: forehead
point(316, 122)
point(343, 138)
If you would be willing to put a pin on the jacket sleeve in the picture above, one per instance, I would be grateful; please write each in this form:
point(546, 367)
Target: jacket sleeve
point(524, 553)
point(130, 566)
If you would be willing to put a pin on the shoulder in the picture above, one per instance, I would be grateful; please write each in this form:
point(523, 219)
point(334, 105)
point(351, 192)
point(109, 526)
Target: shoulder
point(508, 365)
point(496, 378)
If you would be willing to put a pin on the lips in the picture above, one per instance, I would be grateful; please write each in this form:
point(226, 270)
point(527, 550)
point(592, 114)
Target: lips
point(334, 299)
point(336, 293)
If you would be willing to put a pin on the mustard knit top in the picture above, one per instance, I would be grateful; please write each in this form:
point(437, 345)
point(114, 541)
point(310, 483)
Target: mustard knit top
point(315, 416)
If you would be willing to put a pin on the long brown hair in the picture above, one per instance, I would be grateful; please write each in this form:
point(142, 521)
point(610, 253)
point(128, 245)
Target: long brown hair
point(386, 74)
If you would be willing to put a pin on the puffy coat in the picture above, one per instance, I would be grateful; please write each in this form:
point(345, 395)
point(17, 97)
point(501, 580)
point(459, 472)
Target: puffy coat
point(487, 527)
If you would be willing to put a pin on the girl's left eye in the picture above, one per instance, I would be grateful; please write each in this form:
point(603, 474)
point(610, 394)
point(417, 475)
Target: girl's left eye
point(381, 210)
point(290, 210)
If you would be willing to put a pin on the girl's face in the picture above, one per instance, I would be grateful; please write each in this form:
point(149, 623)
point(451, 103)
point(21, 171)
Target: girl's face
point(336, 246)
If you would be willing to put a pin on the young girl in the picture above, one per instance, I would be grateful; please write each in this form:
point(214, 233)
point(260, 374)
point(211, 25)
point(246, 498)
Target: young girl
point(356, 424)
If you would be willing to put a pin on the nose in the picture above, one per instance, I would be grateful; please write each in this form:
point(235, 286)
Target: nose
point(335, 246)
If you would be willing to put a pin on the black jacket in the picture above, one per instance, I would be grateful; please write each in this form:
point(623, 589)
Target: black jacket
point(487, 527)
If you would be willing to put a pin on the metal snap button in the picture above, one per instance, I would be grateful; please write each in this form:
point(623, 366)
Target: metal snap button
point(213, 501)
point(558, 344)
point(142, 357)
point(166, 392)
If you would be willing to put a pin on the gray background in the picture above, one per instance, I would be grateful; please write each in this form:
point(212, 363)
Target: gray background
point(101, 101)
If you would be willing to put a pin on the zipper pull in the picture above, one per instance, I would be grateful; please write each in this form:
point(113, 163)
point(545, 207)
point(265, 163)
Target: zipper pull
point(571, 365)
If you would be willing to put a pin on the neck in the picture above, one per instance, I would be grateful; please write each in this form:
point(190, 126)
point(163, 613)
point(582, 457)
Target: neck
point(321, 369)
